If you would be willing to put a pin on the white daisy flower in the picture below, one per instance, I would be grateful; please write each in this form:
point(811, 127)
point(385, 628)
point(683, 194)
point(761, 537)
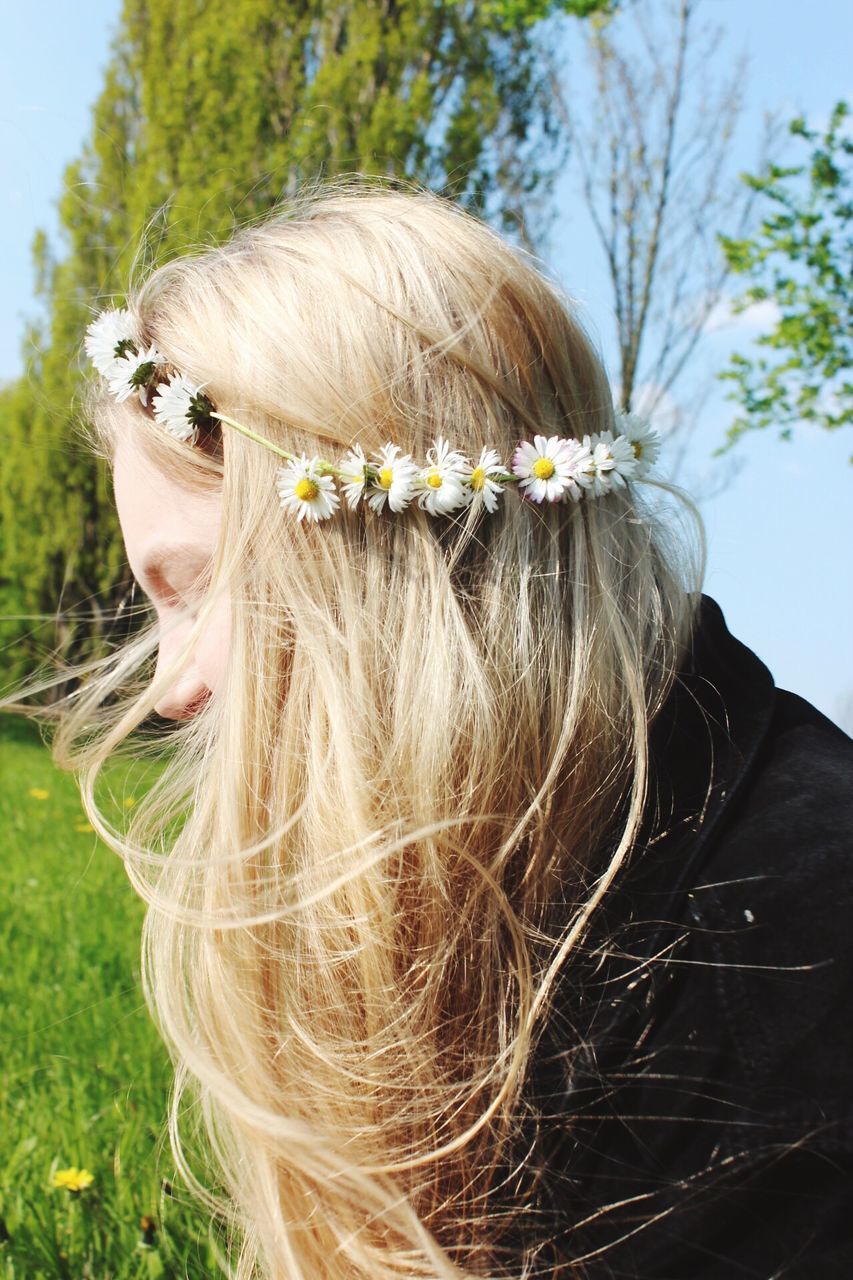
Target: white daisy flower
point(624, 459)
point(352, 468)
point(480, 479)
point(132, 373)
point(305, 492)
point(581, 471)
point(395, 481)
point(108, 338)
point(174, 408)
point(644, 441)
point(545, 468)
point(441, 484)
point(604, 473)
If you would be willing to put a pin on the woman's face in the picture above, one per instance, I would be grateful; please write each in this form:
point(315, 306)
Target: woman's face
point(170, 537)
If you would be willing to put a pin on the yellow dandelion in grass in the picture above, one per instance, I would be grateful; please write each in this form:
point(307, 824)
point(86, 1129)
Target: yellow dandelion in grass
point(83, 827)
point(73, 1179)
point(39, 793)
point(129, 801)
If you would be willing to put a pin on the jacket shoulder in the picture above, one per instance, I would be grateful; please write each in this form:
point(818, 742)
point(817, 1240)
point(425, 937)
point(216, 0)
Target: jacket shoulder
point(712, 1126)
point(773, 897)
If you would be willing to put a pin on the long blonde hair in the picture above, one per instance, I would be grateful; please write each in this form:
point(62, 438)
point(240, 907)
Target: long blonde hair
point(372, 856)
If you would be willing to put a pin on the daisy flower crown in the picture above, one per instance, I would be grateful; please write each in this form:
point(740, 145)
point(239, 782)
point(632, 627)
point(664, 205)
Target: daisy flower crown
point(548, 469)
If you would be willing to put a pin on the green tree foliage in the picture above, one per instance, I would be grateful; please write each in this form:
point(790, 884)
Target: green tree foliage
point(524, 13)
point(209, 115)
point(801, 258)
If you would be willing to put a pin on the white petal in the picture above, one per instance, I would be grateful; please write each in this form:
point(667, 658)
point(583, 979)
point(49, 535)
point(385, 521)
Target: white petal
point(490, 494)
point(523, 458)
point(103, 336)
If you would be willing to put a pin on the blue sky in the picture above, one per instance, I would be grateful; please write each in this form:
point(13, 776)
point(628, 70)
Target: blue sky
point(781, 530)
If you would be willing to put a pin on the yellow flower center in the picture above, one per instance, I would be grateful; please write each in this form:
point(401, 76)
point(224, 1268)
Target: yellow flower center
point(434, 479)
point(543, 468)
point(307, 490)
point(478, 478)
point(386, 476)
point(638, 448)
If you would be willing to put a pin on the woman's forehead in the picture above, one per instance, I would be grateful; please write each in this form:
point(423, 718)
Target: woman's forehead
point(161, 522)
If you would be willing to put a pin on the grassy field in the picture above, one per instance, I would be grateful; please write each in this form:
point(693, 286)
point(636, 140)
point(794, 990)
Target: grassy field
point(83, 1076)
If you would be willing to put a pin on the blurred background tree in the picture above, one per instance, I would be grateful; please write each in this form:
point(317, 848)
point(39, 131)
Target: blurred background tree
point(651, 144)
point(800, 259)
point(210, 114)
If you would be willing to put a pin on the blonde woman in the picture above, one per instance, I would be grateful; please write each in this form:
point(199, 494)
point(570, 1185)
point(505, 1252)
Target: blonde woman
point(492, 886)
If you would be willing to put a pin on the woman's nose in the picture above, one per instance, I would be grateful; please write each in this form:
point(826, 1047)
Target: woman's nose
point(185, 697)
point(188, 692)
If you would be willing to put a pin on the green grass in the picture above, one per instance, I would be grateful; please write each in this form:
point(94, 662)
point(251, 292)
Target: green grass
point(83, 1076)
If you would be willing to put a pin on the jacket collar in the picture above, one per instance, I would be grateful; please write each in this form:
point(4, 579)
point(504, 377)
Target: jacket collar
point(703, 746)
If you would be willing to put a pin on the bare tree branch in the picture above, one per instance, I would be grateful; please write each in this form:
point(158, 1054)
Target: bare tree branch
point(652, 149)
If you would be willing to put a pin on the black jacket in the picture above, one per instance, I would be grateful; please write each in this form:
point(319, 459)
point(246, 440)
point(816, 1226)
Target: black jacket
point(711, 1131)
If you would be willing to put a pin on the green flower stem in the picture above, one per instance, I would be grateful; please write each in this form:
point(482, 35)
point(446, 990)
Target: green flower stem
point(253, 435)
point(324, 468)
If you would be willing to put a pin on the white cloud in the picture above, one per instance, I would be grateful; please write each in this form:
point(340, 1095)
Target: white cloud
point(760, 317)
